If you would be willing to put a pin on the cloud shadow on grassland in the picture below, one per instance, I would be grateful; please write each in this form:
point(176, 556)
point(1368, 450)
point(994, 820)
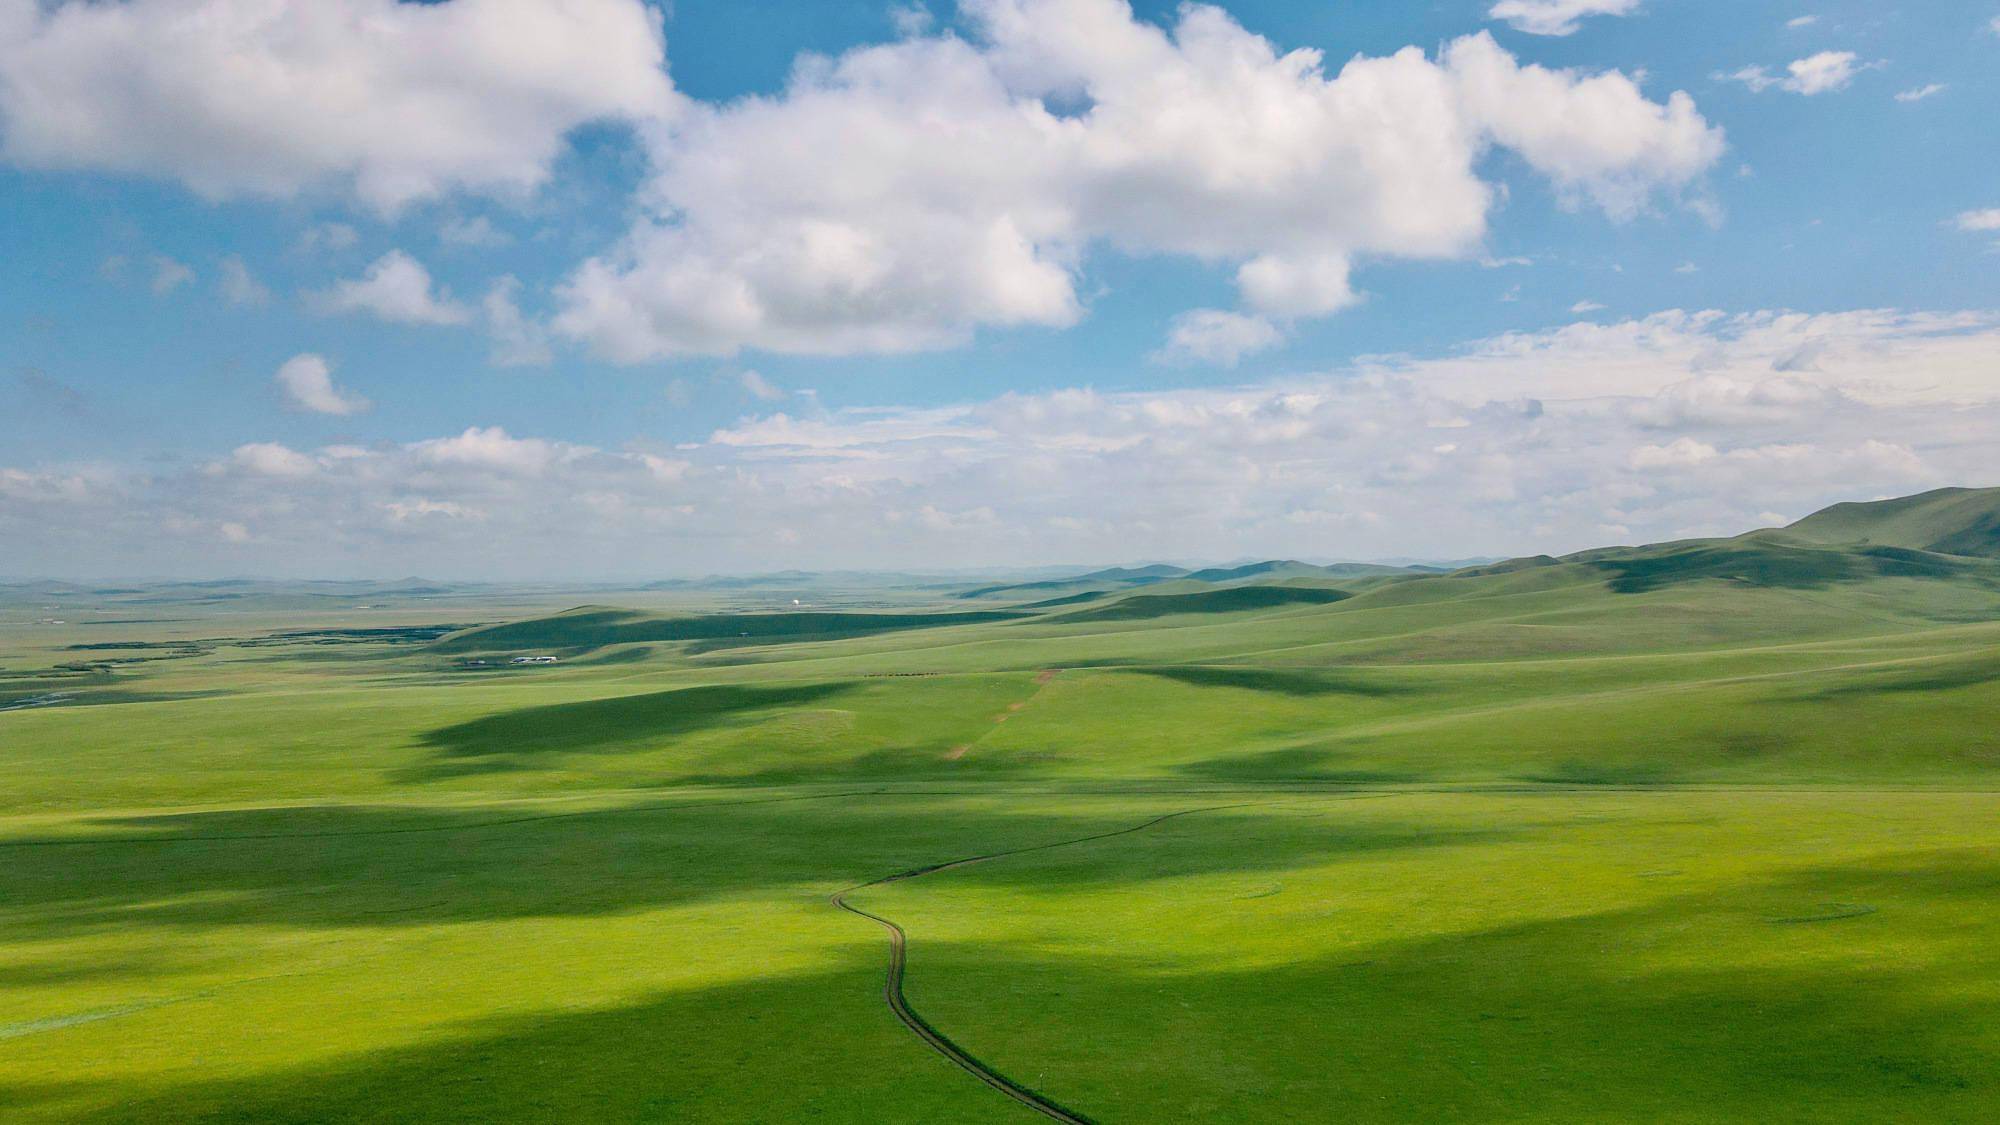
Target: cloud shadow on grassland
point(394, 867)
point(680, 1056)
point(528, 737)
point(1294, 763)
point(1279, 681)
point(1781, 1004)
point(1554, 1017)
point(1955, 672)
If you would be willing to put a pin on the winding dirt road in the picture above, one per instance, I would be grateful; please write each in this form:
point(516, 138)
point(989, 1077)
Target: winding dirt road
point(892, 988)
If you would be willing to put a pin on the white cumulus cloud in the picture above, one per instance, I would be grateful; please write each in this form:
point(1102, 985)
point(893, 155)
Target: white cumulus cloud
point(396, 288)
point(393, 101)
point(306, 380)
point(900, 196)
point(1679, 453)
point(493, 448)
point(273, 460)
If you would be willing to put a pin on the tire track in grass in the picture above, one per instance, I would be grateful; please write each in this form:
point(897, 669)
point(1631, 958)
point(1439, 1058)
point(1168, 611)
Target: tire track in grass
point(1042, 680)
point(892, 988)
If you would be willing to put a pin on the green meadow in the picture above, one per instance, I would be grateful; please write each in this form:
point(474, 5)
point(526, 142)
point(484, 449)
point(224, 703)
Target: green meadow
point(1692, 832)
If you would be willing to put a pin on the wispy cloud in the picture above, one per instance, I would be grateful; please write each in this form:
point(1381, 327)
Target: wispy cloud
point(758, 387)
point(1822, 73)
point(1216, 337)
point(1556, 17)
point(238, 285)
point(168, 275)
point(518, 340)
point(478, 232)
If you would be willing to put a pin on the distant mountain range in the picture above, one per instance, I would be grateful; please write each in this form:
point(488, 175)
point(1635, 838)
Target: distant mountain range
point(1932, 534)
point(1117, 578)
point(1948, 534)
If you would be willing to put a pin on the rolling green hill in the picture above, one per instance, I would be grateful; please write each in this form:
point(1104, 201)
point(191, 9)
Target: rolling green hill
point(1950, 521)
point(1110, 578)
point(1845, 546)
point(1724, 813)
point(1766, 563)
point(1948, 532)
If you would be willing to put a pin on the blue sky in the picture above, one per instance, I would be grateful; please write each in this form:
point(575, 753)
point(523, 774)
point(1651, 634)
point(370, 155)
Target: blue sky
point(356, 287)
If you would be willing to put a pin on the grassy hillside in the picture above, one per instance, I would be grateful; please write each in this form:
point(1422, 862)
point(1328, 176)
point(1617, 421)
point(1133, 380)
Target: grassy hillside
point(1952, 521)
point(1952, 531)
point(1692, 831)
point(1766, 563)
point(1112, 578)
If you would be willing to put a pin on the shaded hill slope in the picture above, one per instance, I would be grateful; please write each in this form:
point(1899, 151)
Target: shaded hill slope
point(1110, 578)
point(1232, 599)
point(1950, 521)
point(1951, 531)
point(1113, 580)
point(590, 627)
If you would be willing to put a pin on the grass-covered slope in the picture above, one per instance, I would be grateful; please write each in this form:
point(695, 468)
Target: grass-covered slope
point(1951, 521)
point(1952, 531)
point(1690, 832)
point(1766, 563)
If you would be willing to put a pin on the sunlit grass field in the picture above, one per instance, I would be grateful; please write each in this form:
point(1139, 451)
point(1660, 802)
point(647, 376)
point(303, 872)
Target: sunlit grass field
point(1508, 846)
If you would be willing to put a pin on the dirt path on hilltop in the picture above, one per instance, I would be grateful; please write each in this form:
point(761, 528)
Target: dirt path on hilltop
point(892, 988)
point(1042, 679)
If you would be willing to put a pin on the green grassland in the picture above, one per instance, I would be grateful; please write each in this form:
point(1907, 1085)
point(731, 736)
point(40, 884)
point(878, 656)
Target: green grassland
point(1693, 832)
